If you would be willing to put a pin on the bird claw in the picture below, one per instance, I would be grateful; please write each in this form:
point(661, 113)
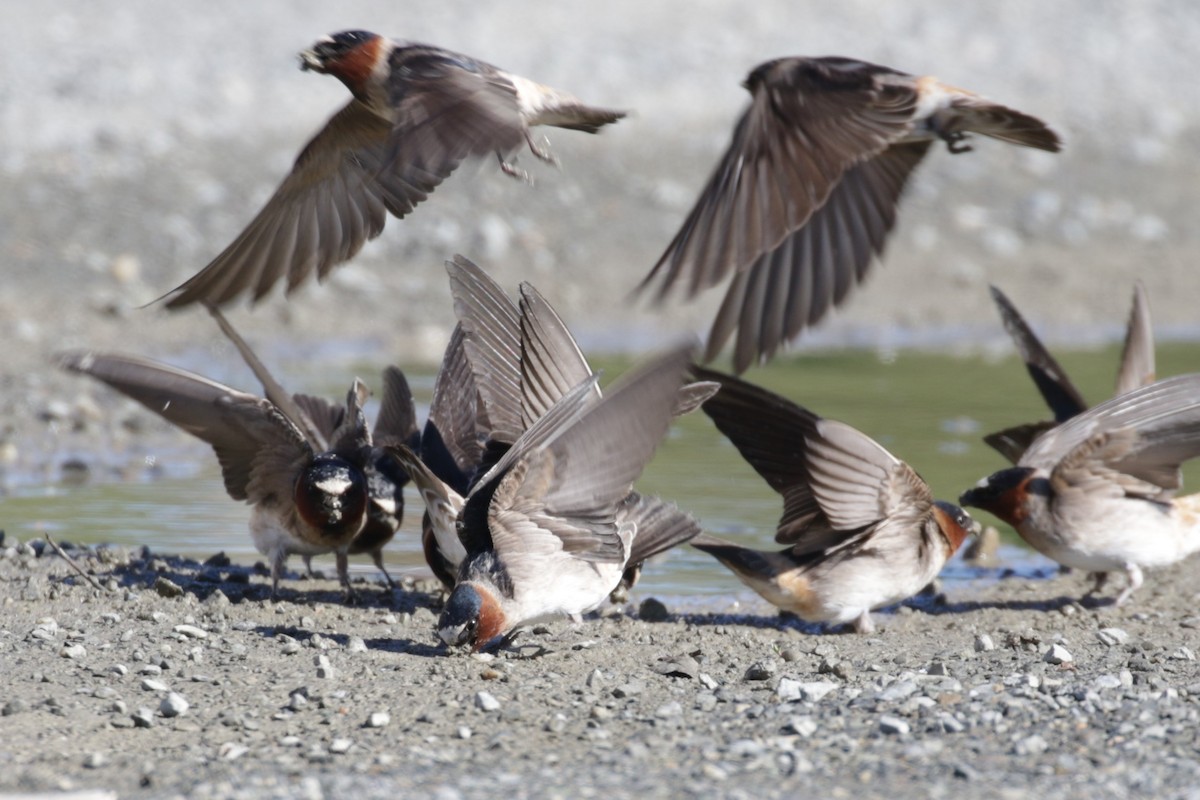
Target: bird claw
point(513, 171)
point(541, 149)
point(954, 141)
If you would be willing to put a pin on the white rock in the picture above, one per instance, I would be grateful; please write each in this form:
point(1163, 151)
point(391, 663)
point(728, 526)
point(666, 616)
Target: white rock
point(984, 643)
point(813, 692)
point(379, 719)
point(191, 631)
point(173, 705)
point(484, 701)
point(339, 746)
point(893, 726)
point(805, 726)
point(1112, 636)
point(1057, 654)
point(231, 751)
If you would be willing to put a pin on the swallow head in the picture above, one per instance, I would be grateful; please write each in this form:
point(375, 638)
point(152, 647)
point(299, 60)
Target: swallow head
point(956, 524)
point(349, 56)
point(472, 617)
point(331, 495)
point(1007, 493)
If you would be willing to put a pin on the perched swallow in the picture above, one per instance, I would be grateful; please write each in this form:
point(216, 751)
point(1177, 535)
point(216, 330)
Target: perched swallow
point(318, 480)
point(1098, 491)
point(806, 194)
point(418, 112)
point(543, 529)
point(1136, 370)
point(862, 528)
point(525, 360)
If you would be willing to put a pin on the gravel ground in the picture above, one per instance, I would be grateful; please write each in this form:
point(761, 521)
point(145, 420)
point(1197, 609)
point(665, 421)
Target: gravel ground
point(178, 678)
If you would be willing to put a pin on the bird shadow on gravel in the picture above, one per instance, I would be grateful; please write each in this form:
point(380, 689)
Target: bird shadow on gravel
point(390, 644)
point(175, 576)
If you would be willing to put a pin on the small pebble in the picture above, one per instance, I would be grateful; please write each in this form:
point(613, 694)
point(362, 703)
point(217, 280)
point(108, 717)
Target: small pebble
point(804, 726)
point(95, 760)
point(151, 685)
point(340, 746)
point(893, 726)
point(143, 718)
point(356, 644)
point(231, 751)
point(1112, 636)
point(191, 631)
point(1057, 654)
point(173, 705)
point(669, 710)
point(464, 732)
point(984, 643)
point(324, 667)
point(73, 651)
point(485, 701)
point(761, 670)
point(167, 588)
point(379, 719)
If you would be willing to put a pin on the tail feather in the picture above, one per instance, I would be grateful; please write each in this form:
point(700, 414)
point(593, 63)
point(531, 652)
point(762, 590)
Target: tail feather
point(578, 117)
point(1007, 124)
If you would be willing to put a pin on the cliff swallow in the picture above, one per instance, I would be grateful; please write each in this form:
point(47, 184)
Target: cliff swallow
point(418, 111)
point(1136, 370)
point(806, 194)
point(862, 528)
point(542, 529)
point(1098, 491)
point(317, 479)
point(506, 365)
point(526, 360)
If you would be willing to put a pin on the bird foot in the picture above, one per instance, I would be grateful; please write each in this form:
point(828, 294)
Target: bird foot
point(954, 141)
point(513, 171)
point(541, 149)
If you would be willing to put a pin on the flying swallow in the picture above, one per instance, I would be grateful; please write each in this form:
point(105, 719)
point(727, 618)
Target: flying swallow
point(318, 480)
point(862, 528)
point(1098, 491)
point(418, 111)
point(543, 530)
point(806, 194)
point(524, 360)
point(1064, 399)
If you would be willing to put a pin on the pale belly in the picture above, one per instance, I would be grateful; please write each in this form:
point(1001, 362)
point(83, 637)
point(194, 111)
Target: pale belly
point(1108, 535)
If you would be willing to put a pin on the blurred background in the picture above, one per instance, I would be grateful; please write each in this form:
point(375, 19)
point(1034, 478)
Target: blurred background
point(140, 137)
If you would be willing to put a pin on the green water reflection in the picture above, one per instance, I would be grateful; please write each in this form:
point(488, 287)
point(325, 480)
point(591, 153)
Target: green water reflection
point(928, 409)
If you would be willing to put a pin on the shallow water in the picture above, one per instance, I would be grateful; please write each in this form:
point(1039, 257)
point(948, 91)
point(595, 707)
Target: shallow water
point(928, 409)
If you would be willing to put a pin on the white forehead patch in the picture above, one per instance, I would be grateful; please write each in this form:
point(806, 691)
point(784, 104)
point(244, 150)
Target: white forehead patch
point(984, 482)
point(335, 486)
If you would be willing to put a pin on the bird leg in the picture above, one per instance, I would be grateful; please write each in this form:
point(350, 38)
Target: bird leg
point(1098, 580)
point(377, 557)
point(512, 170)
point(1134, 573)
point(541, 149)
point(349, 596)
point(278, 561)
point(864, 623)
